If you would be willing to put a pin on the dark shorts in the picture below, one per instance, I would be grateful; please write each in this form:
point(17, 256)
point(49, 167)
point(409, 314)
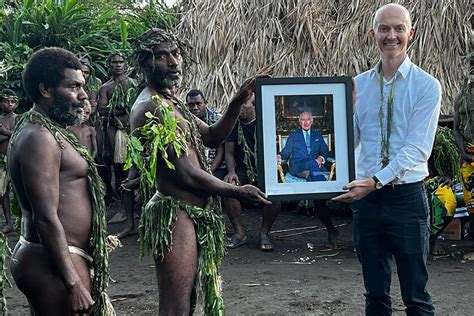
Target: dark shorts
point(240, 171)
point(242, 174)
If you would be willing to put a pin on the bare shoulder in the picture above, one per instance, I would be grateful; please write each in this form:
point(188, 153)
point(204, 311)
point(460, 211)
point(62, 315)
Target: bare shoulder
point(91, 130)
point(142, 105)
point(35, 140)
point(106, 85)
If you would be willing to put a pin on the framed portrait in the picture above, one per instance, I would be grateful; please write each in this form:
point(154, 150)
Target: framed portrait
point(305, 137)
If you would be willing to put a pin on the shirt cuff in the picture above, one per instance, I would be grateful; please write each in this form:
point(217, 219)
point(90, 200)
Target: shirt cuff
point(385, 176)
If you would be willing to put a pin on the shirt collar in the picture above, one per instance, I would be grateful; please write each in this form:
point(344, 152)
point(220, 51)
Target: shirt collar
point(403, 69)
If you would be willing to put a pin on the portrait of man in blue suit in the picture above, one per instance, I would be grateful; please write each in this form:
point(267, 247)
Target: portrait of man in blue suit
point(306, 151)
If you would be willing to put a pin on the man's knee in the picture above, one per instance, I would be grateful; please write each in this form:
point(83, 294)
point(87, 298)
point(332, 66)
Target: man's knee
point(176, 287)
point(175, 306)
point(231, 205)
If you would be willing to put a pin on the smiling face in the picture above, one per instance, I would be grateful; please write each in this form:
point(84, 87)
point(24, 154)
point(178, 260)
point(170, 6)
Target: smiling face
point(68, 98)
point(392, 31)
point(306, 120)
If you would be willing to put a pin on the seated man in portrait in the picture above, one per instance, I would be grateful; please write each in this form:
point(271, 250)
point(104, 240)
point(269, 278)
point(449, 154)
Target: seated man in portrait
point(306, 151)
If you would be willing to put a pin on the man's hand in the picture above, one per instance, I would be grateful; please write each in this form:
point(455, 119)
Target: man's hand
point(4, 130)
point(357, 190)
point(247, 88)
point(232, 178)
point(245, 91)
point(319, 160)
point(252, 194)
point(80, 299)
point(279, 159)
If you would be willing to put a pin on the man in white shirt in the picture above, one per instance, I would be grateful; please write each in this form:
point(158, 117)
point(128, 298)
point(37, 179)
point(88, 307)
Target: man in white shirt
point(396, 114)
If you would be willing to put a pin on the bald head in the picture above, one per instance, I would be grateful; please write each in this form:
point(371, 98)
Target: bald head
point(391, 8)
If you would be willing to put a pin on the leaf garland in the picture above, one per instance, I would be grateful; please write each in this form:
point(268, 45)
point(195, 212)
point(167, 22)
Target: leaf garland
point(98, 236)
point(4, 251)
point(158, 218)
point(249, 154)
point(156, 136)
point(466, 108)
point(446, 154)
point(122, 99)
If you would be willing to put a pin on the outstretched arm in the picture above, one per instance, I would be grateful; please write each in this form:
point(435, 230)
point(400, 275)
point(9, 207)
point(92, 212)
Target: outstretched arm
point(215, 134)
point(196, 179)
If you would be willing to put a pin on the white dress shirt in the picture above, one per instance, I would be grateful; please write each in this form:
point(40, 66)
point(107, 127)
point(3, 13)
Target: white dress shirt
point(416, 106)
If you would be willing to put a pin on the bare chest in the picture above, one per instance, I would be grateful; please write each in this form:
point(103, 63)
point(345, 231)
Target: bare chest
point(7, 121)
point(73, 165)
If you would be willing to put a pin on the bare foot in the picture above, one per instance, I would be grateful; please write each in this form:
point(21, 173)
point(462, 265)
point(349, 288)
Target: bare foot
point(117, 218)
point(127, 231)
point(8, 229)
point(469, 256)
point(265, 243)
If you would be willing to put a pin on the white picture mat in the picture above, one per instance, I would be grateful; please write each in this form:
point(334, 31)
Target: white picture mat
point(338, 91)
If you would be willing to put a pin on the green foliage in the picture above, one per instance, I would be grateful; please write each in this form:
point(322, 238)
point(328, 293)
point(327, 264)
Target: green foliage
point(96, 28)
point(156, 228)
point(157, 135)
point(4, 282)
point(446, 155)
point(14, 58)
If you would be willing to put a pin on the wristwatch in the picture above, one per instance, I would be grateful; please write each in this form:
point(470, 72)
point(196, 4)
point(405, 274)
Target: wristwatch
point(378, 184)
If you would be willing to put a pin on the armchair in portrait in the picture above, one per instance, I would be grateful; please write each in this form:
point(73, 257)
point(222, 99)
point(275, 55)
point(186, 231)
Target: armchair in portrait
point(328, 167)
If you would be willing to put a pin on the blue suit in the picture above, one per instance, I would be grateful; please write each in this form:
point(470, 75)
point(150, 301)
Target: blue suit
point(301, 160)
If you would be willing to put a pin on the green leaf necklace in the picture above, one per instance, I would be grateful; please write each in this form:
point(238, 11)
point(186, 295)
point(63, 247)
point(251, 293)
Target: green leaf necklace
point(386, 131)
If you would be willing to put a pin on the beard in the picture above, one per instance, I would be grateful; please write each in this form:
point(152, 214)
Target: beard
point(159, 79)
point(63, 111)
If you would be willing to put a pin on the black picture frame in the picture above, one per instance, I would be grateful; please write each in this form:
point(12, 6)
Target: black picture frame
point(279, 103)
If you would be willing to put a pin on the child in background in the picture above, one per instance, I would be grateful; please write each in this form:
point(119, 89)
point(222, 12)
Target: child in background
point(85, 133)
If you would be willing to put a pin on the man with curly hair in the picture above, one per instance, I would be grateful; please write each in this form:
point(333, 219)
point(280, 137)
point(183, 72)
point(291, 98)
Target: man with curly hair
point(62, 247)
point(181, 225)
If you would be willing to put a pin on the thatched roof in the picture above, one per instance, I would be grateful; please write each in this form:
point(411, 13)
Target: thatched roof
point(234, 39)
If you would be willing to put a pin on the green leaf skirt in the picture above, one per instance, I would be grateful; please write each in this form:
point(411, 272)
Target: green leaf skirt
point(156, 228)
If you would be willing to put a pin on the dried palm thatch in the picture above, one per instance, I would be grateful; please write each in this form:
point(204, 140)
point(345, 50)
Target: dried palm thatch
point(234, 39)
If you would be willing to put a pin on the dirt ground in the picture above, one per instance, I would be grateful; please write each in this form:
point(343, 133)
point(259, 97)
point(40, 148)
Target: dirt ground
point(301, 277)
